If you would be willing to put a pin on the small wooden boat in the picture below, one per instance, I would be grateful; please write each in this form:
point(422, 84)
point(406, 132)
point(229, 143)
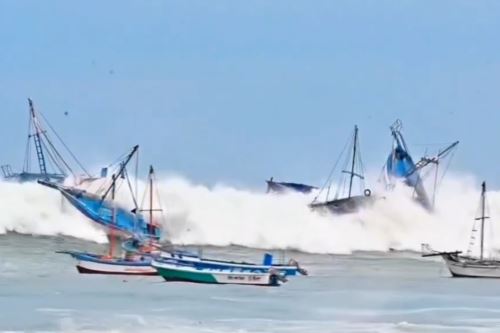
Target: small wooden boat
point(345, 200)
point(468, 265)
point(88, 263)
point(172, 270)
point(292, 268)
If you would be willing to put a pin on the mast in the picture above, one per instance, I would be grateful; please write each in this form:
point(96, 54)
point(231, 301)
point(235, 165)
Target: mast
point(483, 205)
point(121, 171)
point(37, 140)
point(113, 221)
point(353, 158)
point(150, 225)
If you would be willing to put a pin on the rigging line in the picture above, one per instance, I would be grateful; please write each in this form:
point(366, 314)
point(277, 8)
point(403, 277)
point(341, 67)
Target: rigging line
point(137, 173)
point(342, 178)
point(448, 164)
point(55, 166)
point(56, 154)
point(65, 146)
point(27, 156)
point(130, 188)
point(327, 182)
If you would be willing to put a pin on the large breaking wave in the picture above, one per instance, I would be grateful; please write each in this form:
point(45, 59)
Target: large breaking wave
point(222, 215)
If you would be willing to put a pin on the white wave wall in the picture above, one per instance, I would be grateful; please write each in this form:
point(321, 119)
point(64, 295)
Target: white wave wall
point(223, 215)
point(30, 208)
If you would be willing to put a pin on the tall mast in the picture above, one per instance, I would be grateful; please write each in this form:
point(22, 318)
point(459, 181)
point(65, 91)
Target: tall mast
point(150, 225)
point(353, 158)
point(483, 205)
point(37, 140)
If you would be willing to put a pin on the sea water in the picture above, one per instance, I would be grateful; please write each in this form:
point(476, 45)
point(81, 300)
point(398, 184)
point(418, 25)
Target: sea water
point(361, 292)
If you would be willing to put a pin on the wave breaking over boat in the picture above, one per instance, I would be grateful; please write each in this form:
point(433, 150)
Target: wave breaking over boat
point(223, 215)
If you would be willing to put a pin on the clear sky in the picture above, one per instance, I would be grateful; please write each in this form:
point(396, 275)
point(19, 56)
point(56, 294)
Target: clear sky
point(237, 91)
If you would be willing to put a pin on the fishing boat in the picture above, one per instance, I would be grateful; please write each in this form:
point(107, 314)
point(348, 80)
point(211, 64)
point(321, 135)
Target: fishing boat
point(292, 268)
point(401, 167)
point(172, 270)
point(88, 263)
point(134, 262)
point(105, 213)
point(345, 200)
point(469, 265)
point(46, 154)
point(283, 187)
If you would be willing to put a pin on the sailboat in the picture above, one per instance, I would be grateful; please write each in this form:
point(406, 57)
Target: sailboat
point(138, 251)
point(345, 200)
point(46, 154)
point(400, 166)
point(468, 265)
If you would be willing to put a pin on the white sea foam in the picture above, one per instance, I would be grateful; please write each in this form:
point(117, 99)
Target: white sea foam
point(223, 215)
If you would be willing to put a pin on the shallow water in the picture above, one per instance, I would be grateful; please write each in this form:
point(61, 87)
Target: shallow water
point(364, 292)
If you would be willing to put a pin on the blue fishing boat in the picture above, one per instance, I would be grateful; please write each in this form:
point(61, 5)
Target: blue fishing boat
point(346, 198)
point(400, 166)
point(106, 213)
point(292, 268)
point(46, 154)
point(282, 187)
point(139, 249)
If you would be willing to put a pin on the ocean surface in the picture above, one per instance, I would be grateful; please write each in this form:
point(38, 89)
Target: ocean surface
point(362, 292)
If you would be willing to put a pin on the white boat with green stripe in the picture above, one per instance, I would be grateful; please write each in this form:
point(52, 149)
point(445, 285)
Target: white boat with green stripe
point(174, 271)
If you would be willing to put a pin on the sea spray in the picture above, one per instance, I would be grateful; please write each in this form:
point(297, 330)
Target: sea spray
point(223, 215)
point(30, 208)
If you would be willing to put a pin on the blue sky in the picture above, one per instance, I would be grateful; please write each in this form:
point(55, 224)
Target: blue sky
point(237, 91)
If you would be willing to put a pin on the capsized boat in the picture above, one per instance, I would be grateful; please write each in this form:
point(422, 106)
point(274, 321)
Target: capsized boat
point(139, 250)
point(345, 200)
point(46, 155)
point(469, 265)
point(173, 270)
point(292, 268)
point(400, 166)
point(123, 222)
point(283, 187)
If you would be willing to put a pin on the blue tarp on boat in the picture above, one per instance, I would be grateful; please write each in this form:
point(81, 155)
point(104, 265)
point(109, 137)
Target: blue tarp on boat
point(281, 187)
point(100, 211)
point(400, 165)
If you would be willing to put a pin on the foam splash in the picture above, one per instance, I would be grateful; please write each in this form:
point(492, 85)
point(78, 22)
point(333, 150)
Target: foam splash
point(30, 208)
point(223, 215)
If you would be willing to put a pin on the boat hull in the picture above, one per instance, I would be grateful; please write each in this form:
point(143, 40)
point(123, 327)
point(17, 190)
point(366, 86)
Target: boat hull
point(463, 267)
point(344, 206)
point(202, 263)
point(93, 264)
point(174, 272)
point(283, 187)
